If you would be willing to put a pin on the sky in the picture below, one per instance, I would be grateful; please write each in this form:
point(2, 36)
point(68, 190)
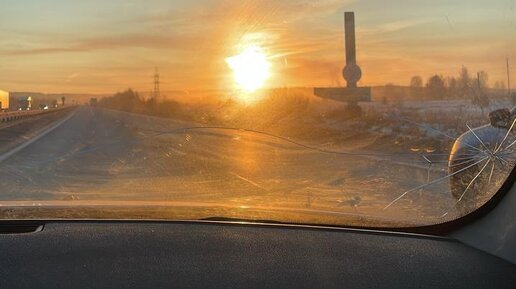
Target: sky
point(100, 46)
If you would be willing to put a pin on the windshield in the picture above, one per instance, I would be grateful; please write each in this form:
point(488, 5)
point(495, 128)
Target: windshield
point(366, 113)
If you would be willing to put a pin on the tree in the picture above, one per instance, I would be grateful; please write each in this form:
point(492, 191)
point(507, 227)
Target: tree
point(483, 79)
point(464, 82)
point(481, 99)
point(452, 86)
point(416, 81)
point(500, 85)
point(128, 100)
point(435, 87)
point(131, 101)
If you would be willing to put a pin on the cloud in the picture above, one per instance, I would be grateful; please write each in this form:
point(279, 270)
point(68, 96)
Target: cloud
point(72, 76)
point(112, 42)
point(394, 26)
point(210, 26)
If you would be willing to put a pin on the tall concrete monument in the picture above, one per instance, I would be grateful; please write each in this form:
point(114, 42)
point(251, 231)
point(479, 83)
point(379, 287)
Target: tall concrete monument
point(352, 94)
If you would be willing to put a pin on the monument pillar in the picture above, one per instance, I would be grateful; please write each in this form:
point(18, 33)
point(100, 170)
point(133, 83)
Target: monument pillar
point(351, 72)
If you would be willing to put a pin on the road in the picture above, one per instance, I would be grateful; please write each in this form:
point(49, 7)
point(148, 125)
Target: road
point(109, 156)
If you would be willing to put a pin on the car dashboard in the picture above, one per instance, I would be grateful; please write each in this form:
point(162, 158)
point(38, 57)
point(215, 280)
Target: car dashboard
point(208, 254)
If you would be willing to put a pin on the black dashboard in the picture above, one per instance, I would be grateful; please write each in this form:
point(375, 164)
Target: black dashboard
point(234, 255)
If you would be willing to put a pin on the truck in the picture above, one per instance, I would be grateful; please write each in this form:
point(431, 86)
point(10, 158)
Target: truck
point(4, 100)
point(25, 103)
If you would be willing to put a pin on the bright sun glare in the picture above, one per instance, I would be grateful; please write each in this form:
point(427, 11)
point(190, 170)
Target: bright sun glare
point(250, 68)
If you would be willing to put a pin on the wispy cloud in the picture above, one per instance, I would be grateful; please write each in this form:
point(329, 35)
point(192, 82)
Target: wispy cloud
point(112, 42)
point(394, 26)
point(72, 76)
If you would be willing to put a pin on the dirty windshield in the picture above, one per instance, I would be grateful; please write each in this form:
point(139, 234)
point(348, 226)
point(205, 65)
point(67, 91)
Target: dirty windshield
point(366, 113)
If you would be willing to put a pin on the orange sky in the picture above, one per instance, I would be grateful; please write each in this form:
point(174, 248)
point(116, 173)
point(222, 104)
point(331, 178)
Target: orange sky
point(105, 46)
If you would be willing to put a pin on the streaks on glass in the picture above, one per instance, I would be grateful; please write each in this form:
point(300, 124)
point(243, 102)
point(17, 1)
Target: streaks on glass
point(249, 167)
point(460, 167)
point(480, 159)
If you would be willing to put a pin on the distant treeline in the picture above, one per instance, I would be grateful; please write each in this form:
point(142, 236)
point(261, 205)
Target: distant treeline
point(131, 101)
point(282, 109)
point(465, 85)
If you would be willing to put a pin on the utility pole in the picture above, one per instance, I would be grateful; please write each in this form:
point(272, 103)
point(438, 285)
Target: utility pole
point(156, 83)
point(508, 79)
point(480, 98)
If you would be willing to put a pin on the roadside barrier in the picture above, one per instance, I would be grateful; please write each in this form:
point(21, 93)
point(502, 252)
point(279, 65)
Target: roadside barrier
point(9, 116)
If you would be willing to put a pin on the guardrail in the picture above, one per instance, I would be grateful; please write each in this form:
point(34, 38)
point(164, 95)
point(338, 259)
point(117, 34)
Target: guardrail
point(9, 116)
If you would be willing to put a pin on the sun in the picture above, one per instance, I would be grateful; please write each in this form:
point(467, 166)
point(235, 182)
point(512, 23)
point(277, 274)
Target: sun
point(250, 68)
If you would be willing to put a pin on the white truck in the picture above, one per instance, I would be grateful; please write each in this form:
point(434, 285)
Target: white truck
point(4, 100)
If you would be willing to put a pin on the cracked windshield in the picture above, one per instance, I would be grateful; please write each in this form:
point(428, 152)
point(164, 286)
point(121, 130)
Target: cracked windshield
point(362, 113)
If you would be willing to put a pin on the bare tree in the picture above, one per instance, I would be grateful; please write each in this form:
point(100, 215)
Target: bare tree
point(452, 86)
point(481, 99)
point(435, 86)
point(464, 82)
point(416, 81)
point(499, 85)
point(483, 78)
